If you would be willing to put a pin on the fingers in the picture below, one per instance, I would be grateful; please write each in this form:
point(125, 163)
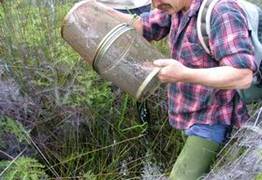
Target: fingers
point(164, 62)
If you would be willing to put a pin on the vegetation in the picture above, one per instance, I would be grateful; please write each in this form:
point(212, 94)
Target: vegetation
point(59, 118)
point(23, 168)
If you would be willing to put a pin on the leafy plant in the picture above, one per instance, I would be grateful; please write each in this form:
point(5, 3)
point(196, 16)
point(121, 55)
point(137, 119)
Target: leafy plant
point(23, 168)
point(89, 175)
point(259, 177)
point(9, 125)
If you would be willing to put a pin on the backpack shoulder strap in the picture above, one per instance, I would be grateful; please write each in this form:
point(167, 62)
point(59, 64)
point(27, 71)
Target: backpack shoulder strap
point(254, 22)
point(203, 23)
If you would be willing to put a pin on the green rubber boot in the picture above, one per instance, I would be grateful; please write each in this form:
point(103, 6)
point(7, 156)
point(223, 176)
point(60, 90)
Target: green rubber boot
point(195, 159)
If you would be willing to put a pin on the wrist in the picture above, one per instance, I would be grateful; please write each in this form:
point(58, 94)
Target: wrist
point(188, 75)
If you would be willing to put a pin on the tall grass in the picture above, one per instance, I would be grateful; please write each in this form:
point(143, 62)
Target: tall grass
point(73, 122)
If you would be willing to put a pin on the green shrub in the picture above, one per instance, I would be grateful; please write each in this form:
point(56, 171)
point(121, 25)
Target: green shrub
point(23, 168)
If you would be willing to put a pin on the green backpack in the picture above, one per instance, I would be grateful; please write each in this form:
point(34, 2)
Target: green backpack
point(254, 19)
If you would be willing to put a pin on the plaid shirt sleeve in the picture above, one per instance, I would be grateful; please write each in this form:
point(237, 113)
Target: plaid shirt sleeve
point(156, 25)
point(230, 42)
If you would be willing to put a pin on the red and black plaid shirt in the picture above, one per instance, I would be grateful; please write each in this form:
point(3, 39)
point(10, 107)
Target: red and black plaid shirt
point(230, 45)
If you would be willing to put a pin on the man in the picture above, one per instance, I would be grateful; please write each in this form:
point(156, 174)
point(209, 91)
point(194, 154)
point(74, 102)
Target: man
point(201, 88)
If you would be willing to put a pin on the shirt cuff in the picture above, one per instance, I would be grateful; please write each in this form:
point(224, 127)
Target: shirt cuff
point(240, 60)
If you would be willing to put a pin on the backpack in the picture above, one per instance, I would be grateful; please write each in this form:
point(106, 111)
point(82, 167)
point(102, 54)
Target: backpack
point(254, 20)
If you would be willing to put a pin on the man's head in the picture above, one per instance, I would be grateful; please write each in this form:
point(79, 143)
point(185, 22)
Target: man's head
point(172, 6)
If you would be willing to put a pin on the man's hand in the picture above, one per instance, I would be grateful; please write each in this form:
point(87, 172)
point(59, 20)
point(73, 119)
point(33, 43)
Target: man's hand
point(171, 70)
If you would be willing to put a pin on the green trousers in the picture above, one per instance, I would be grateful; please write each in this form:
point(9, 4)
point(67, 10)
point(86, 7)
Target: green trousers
point(195, 159)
